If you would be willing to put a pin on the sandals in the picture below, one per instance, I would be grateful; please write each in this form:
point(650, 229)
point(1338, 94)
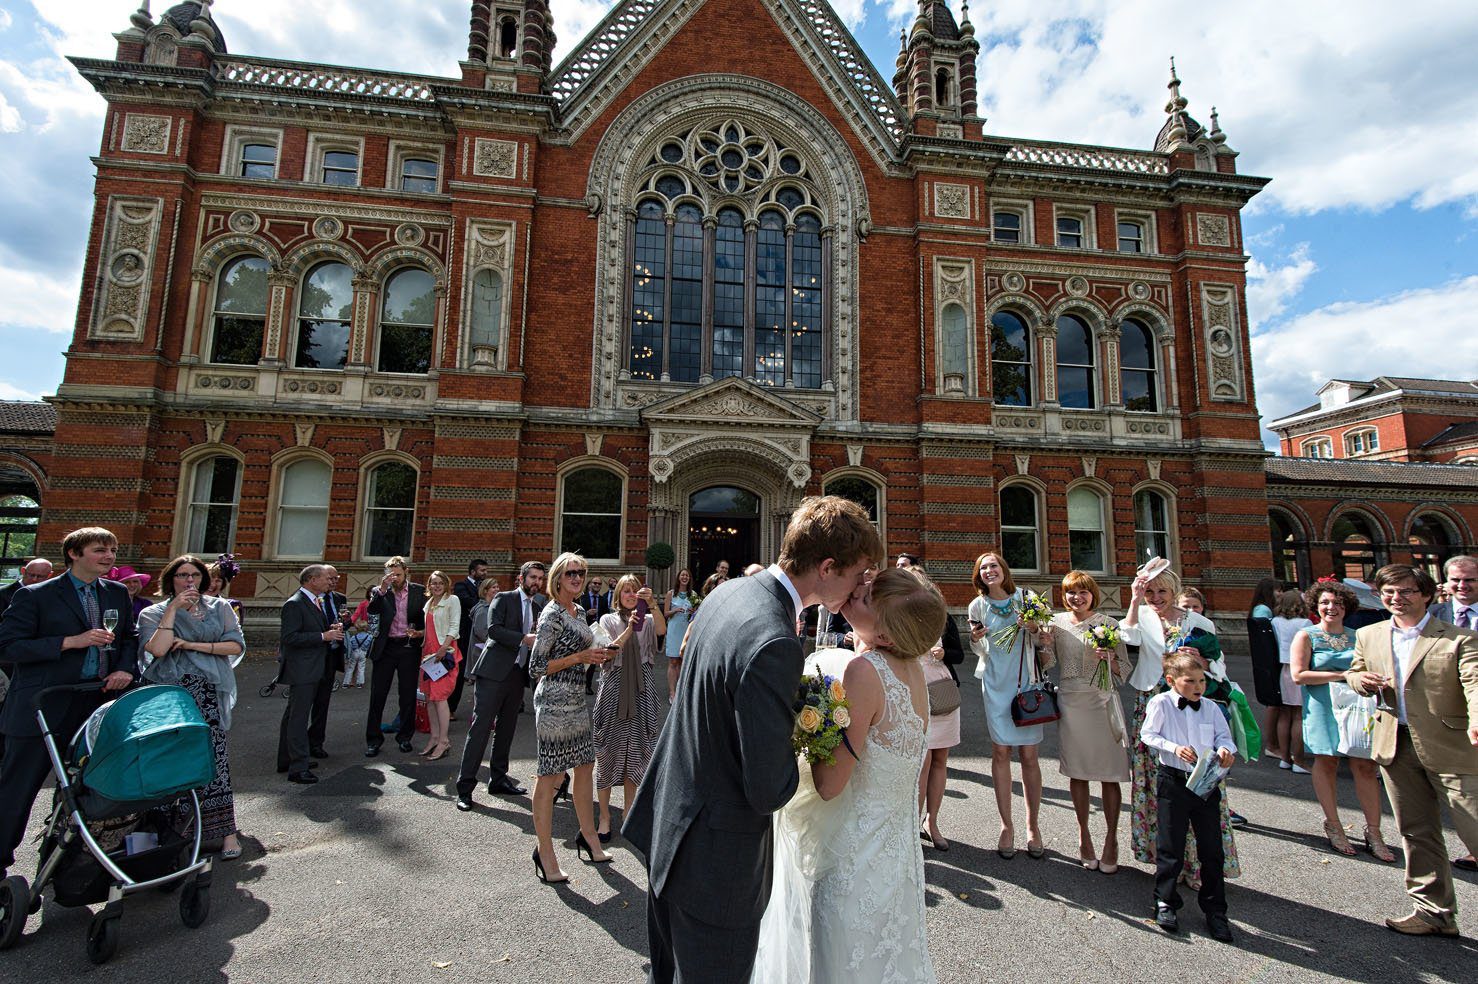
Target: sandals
point(1338, 840)
point(1377, 846)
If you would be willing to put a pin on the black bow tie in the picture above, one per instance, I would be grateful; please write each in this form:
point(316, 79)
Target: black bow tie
point(1183, 702)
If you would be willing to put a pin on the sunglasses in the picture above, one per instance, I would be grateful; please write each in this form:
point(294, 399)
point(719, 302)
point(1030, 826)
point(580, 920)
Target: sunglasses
point(574, 573)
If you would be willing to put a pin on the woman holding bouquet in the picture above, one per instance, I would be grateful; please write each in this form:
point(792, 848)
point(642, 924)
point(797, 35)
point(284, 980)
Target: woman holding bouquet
point(1008, 657)
point(1320, 656)
point(1092, 737)
point(443, 622)
point(1154, 624)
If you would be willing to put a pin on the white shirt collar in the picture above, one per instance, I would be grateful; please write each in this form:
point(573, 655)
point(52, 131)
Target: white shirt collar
point(783, 578)
point(1413, 632)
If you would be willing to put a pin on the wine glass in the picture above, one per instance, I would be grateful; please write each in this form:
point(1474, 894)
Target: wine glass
point(110, 622)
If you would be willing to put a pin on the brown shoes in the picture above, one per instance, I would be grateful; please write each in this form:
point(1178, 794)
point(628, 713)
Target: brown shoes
point(1417, 924)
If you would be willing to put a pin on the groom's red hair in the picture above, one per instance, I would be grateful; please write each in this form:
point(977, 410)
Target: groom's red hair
point(828, 527)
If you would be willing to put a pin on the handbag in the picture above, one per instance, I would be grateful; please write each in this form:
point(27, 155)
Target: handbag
point(944, 697)
point(1036, 700)
point(1354, 719)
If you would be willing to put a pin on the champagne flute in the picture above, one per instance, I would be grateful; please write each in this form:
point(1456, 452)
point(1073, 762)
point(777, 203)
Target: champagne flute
point(110, 622)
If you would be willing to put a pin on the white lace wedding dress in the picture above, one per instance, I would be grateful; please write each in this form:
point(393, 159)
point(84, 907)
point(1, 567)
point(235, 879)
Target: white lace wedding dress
point(847, 903)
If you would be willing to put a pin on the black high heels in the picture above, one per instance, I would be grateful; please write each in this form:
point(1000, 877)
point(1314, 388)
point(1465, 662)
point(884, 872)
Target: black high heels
point(563, 792)
point(583, 845)
point(543, 877)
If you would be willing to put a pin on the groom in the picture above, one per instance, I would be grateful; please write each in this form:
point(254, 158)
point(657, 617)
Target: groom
point(724, 762)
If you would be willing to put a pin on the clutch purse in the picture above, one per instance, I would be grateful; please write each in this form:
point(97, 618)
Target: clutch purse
point(944, 696)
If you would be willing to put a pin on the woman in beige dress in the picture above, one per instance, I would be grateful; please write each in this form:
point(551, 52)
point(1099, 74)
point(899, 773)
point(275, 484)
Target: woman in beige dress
point(1092, 736)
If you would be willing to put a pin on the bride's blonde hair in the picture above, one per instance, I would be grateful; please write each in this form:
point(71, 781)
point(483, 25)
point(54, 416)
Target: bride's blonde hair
point(909, 610)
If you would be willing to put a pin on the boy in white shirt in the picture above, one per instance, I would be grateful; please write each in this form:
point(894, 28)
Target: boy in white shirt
point(1179, 726)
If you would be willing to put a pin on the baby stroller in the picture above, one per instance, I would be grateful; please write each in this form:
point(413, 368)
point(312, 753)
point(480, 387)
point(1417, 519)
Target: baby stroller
point(118, 823)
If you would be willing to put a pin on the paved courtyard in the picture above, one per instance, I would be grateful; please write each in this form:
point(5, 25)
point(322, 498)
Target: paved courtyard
point(372, 875)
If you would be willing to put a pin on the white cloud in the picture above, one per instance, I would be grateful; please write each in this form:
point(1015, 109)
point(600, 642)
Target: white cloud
point(35, 300)
point(1270, 288)
point(9, 392)
point(5, 19)
point(1428, 332)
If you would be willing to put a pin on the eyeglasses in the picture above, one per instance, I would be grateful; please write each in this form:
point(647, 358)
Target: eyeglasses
point(1398, 592)
point(574, 573)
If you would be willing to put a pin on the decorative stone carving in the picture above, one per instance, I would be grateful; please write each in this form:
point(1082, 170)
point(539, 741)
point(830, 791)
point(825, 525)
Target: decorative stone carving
point(1213, 230)
point(392, 438)
point(1077, 286)
point(244, 222)
point(328, 227)
point(854, 455)
point(1090, 465)
point(494, 158)
point(951, 131)
point(304, 434)
point(385, 391)
point(799, 474)
point(1222, 330)
point(498, 83)
point(312, 387)
point(215, 430)
point(1023, 461)
point(951, 201)
point(661, 467)
point(592, 443)
point(410, 234)
point(1014, 282)
point(240, 384)
point(146, 134)
point(1153, 464)
point(1139, 290)
point(130, 241)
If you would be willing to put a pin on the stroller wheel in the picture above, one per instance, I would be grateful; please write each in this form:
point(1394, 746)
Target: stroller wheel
point(102, 938)
point(194, 906)
point(15, 905)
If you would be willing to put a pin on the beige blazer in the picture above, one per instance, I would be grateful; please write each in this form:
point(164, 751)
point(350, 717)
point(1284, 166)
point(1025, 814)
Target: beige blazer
point(1441, 691)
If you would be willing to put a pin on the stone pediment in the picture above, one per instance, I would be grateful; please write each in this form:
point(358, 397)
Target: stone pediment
point(728, 403)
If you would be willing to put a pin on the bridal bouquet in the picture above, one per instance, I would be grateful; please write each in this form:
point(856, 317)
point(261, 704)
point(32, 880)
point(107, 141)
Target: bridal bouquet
point(821, 715)
point(1033, 611)
point(1102, 636)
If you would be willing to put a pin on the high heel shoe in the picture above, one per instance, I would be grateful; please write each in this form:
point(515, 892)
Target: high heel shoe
point(583, 845)
point(543, 876)
point(1337, 839)
point(440, 752)
point(563, 792)
point(1376, 845)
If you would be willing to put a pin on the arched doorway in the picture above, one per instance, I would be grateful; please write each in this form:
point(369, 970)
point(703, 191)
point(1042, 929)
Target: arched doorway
point(723, 524)
point(1432, 542)
point(20, 512)
point(1358, 550)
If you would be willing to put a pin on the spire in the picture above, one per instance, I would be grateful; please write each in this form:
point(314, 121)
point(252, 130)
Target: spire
point(203, 24)
point(967, 30)
point(1177, 135)
point(142, 18)
point(1217, 136)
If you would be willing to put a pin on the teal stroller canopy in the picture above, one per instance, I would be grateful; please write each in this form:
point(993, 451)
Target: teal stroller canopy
point(150, 744)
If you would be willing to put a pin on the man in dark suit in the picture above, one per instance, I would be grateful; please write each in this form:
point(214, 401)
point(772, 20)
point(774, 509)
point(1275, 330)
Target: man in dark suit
point(500, 673)
point(593, 600)
point(307, 636)
point(395, 655)
point(333, 606)
point(54, 635)
point(36, 570)
point(723, 761)
point(1461, 609)
point(466, 592)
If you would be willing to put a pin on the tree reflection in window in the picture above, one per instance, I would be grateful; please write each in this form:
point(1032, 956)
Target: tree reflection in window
point(1011, 362)
point(1137, 367)
point(325, 316)
point(407, 320)
point(390, 510)
point(241, 312)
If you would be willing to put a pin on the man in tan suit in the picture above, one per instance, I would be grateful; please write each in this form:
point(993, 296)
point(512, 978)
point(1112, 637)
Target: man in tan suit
point(1425, 673)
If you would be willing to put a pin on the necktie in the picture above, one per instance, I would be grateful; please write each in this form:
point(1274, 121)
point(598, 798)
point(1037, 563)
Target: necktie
point(1182, 703)
point(1465, 618)
point(94, 621)
point(528, 620)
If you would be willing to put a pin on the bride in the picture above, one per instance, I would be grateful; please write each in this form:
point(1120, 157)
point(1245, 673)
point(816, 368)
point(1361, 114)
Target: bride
point(847, 902)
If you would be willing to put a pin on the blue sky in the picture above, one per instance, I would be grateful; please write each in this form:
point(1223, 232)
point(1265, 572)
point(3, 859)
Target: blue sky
point(1365, 259)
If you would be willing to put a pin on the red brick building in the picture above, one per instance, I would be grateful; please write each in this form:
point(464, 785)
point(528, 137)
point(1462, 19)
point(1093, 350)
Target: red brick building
point(1390, 418)
point(709, 264)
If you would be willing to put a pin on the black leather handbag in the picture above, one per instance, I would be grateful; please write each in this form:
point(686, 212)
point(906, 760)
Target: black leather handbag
point(1036, 699)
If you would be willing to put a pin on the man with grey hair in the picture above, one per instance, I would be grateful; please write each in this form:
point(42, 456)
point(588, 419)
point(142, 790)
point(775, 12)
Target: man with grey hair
point(35, 571)
point(308, 633)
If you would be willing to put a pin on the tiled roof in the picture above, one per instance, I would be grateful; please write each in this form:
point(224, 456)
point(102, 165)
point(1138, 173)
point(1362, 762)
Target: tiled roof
point(1433, 385)
point(27, 417)
point(1455, 432)
point(1286, 470)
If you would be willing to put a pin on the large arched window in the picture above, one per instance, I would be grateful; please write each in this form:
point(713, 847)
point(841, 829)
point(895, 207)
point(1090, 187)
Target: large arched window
point(407, 321)
point(1290, 548)
point(1151, 526)
point(590, 517)
point(1432, 542)
point(325, 317)
point(1358, 550)
point(302, 509)
point(1020, 530)
point(1087, 546)
point(1137, 367)
point(241, 312)
point(486, 334)
point(1074, 364)
point(1010, 359)
point(389, 510)
point(215, 490)
point(740, 290)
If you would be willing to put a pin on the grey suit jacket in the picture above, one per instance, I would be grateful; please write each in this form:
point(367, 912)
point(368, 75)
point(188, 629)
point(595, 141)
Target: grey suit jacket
point(304, 652)
point(505, 635)
point(723, 761)
point(1443, 612)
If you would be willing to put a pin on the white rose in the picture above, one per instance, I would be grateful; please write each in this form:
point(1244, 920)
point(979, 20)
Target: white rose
point(842, 717)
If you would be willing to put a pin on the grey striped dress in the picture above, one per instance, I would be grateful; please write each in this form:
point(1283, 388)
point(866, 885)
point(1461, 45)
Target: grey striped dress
point(561, 716)
point(623, 748)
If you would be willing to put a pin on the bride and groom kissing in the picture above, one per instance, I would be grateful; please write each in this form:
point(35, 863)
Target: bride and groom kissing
point(833, 888)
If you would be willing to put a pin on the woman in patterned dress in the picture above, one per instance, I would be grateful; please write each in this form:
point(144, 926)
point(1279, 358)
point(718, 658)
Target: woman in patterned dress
point(625, 718)
point(1155, 625)
point(562, 650)
point(1320, 655)
point(194, 640)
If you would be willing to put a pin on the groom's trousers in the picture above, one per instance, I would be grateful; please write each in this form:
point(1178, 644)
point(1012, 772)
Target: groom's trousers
point(686, 950)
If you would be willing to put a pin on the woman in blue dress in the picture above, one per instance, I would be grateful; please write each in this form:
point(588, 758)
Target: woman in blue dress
point(677, 609)
point(1005, 665)
point(1320, 655)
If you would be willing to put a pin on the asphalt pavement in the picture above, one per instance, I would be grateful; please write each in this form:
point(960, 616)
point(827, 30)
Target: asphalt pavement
point(373, 875)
